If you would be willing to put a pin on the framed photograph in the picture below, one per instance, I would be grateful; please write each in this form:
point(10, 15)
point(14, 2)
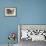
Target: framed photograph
point(31, 32)
point(10, 11)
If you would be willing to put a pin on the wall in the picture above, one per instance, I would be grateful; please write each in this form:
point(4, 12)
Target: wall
point(8, 24)
point(33, 12)
point(28, 12)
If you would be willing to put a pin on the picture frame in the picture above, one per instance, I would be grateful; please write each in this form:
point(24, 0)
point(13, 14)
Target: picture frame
point(36, 32)
point(10, 11)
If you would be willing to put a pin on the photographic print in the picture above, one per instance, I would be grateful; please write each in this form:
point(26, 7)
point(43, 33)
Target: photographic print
point(28, 34)
point(33, 32)
point(10, 11)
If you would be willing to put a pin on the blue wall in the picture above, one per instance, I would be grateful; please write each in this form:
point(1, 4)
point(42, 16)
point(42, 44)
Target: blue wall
point(28, 12)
